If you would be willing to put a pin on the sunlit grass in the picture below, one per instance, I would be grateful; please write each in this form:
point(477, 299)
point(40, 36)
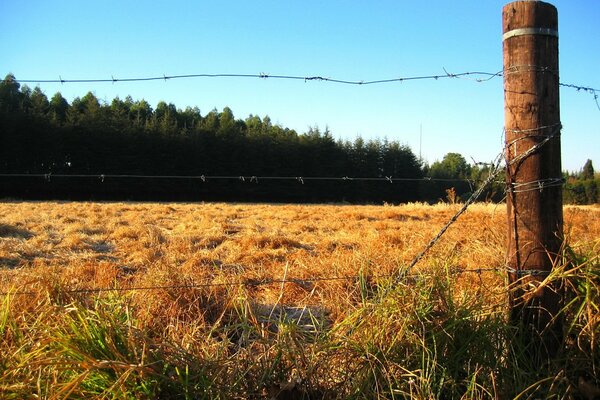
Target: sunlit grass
point(436, 334)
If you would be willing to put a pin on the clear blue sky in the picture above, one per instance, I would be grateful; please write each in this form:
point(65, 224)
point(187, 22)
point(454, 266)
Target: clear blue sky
point(339, 39)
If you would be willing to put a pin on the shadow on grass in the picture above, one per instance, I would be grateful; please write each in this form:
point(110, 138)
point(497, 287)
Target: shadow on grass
point(9, 263)
point(8, 231)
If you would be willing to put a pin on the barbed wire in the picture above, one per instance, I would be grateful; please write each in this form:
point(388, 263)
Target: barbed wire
point(540, 185)
point(495, 170)
point(516, 188)
point(521, 187)
point(476, 76)
point(485, 77)
point(242, 178)
point(534, 185)
point(586, 89)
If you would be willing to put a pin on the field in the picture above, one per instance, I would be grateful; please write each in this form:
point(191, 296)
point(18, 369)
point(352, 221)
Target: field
point(144, 300)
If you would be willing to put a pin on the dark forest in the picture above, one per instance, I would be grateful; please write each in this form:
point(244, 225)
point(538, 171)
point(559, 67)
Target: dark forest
point(249, 160)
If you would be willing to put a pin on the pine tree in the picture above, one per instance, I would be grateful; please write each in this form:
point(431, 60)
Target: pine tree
point(588, 170)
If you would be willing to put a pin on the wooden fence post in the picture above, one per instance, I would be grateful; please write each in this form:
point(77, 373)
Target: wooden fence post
point(534, 176)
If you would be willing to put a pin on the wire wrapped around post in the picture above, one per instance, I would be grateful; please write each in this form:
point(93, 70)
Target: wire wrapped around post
point(533, 172)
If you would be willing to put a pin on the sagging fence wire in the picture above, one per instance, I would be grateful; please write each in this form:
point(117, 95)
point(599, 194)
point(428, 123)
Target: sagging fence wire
point(476, 76)
point(480, 77)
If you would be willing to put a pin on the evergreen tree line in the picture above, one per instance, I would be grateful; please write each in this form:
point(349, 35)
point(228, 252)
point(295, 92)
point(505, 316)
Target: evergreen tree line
point(129, 137)
point(582, 187)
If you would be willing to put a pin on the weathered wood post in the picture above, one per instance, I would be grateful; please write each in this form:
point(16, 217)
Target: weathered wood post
point(534, 176)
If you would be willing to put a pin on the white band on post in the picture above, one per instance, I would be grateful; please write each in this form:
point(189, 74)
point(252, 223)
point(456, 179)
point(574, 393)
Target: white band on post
point(530, 31)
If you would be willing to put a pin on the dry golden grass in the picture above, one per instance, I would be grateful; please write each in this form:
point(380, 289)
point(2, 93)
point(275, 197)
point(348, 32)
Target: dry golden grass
point(52, 249)
point(84, 245)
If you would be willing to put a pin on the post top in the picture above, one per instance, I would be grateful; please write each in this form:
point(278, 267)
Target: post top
point(535, 14)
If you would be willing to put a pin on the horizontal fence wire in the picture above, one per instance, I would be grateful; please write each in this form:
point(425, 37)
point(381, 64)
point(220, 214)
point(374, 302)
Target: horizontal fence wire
point(243, 178)
point(512, 188)
point(516, 188)
point(251, 282)
point(538, 185)
point(476, 76)
point(479, 76)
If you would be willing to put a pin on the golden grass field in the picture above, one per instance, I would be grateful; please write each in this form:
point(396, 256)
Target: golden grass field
point(54, 248)
point(101, 245)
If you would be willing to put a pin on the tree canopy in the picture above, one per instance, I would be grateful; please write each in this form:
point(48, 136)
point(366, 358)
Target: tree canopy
point(129, 137)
